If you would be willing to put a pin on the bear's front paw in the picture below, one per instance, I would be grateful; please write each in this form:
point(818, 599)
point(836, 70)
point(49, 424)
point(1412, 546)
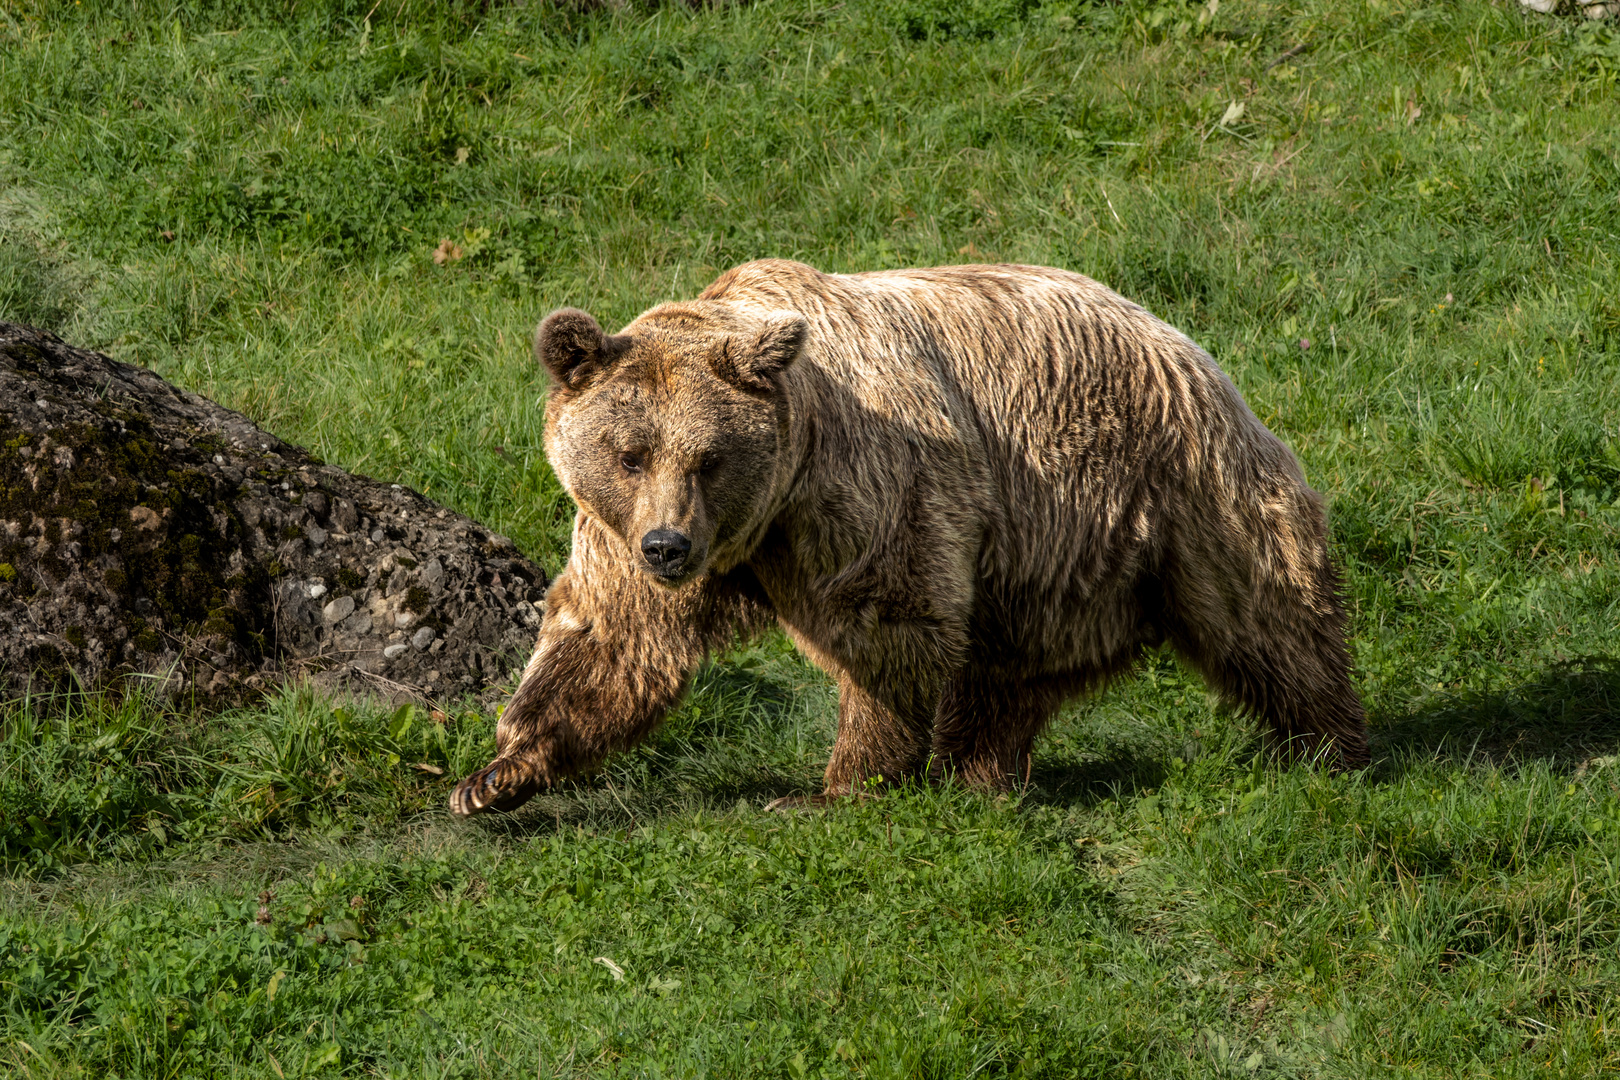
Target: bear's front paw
point(501, 785)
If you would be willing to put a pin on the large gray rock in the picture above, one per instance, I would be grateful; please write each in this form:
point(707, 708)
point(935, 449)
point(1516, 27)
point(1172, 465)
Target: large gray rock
point(144, 529)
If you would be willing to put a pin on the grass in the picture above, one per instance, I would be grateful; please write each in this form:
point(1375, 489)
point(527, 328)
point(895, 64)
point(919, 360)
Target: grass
point(248, 198)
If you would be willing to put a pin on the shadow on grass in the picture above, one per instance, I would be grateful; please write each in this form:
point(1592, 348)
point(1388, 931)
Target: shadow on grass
point(720, 754)
point(1125, 771)
point(1567, 715)
point(599, 803)
point(740, 738)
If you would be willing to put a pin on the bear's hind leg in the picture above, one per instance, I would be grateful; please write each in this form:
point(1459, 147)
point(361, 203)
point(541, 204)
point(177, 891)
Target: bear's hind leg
point(986, 727)
point(1282, 657)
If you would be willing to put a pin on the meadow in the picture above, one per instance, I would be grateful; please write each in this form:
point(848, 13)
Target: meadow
point(1396, 224)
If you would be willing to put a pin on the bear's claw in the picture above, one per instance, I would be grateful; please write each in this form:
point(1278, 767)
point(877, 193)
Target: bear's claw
point(502, 785)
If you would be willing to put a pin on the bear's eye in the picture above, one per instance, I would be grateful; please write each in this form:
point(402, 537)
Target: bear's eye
point(630, 463)
point(709, 463)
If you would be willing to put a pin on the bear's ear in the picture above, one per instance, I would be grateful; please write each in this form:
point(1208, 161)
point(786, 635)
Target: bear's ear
point(573, 348)
point(751, 360)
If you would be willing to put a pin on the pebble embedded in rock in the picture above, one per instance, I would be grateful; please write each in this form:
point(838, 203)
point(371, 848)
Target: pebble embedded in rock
point(422, 638)
point(317, 591)
point(394, 651)
point(338, 610)
point(433, 572)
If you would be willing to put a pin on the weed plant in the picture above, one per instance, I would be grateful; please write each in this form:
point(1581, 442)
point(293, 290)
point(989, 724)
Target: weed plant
point(1393, 222)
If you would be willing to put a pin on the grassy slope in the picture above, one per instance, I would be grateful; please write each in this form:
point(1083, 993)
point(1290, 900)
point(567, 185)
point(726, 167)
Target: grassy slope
point(1429, 196)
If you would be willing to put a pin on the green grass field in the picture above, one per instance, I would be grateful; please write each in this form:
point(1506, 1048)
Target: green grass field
point(1401, 240)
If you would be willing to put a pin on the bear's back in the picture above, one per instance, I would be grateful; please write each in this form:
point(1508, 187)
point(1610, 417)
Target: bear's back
point(1065, 377)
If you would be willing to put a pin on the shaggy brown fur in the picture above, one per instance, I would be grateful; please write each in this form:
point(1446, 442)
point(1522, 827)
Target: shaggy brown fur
point(968, 493)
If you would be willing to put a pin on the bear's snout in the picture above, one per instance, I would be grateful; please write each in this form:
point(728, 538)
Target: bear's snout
point(666, 552)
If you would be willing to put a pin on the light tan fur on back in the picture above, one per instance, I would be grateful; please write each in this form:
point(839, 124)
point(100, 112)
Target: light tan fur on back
point(968, 493)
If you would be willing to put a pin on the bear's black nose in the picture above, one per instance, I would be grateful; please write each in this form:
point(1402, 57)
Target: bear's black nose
point(665, 550)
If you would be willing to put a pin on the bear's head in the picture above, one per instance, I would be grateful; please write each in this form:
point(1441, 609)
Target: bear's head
point(671, 433)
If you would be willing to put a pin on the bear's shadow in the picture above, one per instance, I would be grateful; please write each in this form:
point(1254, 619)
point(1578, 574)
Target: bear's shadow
point(1122, 770)
point(1565, 716)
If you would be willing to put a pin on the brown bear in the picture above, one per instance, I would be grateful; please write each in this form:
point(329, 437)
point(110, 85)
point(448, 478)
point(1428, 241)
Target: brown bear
point(968, 493)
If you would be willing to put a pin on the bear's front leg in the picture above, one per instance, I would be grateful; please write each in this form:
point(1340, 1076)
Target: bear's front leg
point(890, 679)
point(891, 650)
point(587, 690)
point(875, 742)
point(616, 652)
